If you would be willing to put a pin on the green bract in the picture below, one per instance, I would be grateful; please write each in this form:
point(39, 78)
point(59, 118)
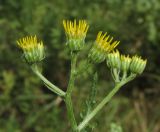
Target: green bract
point(113, 60)
point(137, 65)
point(75, 44)
point(96, 55)
point(125, 63)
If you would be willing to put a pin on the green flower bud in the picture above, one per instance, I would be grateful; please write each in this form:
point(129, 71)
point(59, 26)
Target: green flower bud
point(32, 49)
point(95, 55)
point(137, 65)
point(125, 63)
point(75, 34)
point(102, 46)
point(113, 60)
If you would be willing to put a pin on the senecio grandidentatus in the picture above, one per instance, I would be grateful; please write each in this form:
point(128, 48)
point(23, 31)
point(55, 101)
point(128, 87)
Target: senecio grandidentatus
point(123, 67)
point(101, 47)
point(32, 48)
point(75, 33)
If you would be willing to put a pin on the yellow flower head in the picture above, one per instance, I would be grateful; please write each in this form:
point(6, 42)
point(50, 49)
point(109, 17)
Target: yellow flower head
point(33, 50)
point(29, 43)
point(75, 30)
point(105, 43)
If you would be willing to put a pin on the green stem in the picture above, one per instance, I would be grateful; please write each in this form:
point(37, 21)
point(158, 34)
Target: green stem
point(49, 85)
point(84, 123)
point(68, 100)
point(124, 75)
point(116, 75)
point(70, 112)
point(73, 73)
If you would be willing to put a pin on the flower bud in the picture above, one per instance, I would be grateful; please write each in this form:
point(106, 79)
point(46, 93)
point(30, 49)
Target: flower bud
point(113, 60)
point(95, 55)
point(125, 63)
point(32, 49)
point(137, 65)
point(102, 46)
point(75, 33)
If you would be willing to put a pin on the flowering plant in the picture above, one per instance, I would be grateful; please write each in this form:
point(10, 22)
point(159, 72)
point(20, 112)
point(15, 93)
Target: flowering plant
point(123, 68)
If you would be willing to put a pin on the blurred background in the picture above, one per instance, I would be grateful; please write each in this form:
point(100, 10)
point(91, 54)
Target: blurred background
point(26, 105)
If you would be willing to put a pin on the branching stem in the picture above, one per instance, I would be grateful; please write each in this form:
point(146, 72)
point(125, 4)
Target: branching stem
point(85, 122)
point(49, 85)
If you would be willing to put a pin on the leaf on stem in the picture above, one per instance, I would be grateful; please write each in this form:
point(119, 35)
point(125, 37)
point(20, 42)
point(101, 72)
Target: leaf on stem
point(90, 103)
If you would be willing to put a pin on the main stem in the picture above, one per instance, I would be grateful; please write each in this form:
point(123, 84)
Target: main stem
point(68, 100)
point(84, 123)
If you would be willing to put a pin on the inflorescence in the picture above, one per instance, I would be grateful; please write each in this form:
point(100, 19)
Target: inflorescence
point(102, 49)
point(123, 67)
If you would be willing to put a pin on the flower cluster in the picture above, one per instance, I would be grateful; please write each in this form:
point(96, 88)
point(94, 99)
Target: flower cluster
point(32, 49)
point(76, 34)
point(101, 50)
point(124, 65)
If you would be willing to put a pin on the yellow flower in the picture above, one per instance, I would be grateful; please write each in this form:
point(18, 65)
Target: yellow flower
point(32, 49)
point(29, 42)
point(75, 33)
point(105, 43)
point(74, 29)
